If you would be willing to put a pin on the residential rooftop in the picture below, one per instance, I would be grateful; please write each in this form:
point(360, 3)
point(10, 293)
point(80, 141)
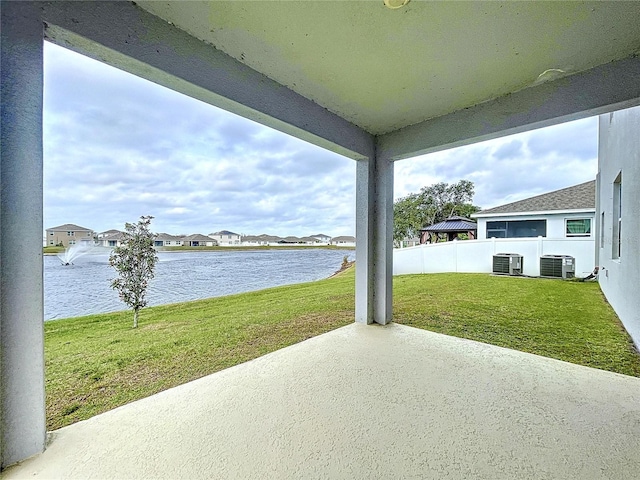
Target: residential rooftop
point(577, 197)
point(70, 227)
point(452, 224)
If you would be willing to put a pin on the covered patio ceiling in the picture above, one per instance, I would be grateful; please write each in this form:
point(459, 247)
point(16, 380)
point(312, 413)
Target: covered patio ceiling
point(428, 76)
point(383, 69)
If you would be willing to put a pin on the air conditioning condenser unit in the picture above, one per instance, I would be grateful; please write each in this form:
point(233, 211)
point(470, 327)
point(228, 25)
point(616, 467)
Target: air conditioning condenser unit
point(508, 263)
point(557, 266)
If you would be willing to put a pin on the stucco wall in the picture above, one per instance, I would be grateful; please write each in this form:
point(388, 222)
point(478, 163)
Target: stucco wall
point(225, 241)
point(555, 222)
point(60, 236)
point(476, 256)
point(619, 152)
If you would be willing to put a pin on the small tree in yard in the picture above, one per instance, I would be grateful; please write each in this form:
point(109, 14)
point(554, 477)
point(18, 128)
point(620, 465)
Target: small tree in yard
point(134, 260)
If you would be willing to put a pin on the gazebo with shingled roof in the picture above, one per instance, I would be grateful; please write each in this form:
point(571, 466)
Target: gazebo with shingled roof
point(452, 226)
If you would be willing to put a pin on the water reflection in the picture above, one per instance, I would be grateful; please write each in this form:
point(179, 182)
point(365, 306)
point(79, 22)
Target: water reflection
point(84, 287)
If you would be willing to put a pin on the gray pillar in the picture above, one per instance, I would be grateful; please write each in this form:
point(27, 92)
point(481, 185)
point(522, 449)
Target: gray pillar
point(22, 413)
point(374, 246)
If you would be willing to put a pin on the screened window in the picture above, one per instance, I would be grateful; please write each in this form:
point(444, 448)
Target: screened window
point(496, 229)
point(517, 229)
point(578, 227)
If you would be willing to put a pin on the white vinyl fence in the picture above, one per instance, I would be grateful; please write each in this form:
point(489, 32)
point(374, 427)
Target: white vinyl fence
point(476, 256)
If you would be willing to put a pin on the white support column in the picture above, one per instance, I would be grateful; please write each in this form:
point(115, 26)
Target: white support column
point(374, 246)
point(22, 412)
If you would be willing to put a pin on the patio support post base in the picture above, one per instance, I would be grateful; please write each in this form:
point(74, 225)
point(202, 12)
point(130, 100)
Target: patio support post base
point(374, 245)
point(22, 411)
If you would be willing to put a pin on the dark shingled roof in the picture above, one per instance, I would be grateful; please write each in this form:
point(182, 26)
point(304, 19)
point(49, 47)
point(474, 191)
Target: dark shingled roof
point(452, 224)
point(581, 196)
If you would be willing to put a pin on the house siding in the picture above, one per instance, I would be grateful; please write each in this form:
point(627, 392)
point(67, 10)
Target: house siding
point(226, 240)
point(555, 222)
point(619, 154)
point(55, 237)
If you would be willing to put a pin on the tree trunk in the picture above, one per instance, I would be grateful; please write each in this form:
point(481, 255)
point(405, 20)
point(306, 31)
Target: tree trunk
point(135, 318)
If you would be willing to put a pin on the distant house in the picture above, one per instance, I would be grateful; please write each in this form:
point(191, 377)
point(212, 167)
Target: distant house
point(409, 242)
point(111, 238)
point(290, 240)
point(198, 240)
point(344, 241)
point(564, 213)
point(252, 240)
point(308, 240)
point(107, 233)
point(322, 238)
point(260, 240)
point(225, 238)
point(166, 240)
point(69, 234)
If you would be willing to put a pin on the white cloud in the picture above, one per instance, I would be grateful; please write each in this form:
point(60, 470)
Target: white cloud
point(510, 168)
point(118, 147)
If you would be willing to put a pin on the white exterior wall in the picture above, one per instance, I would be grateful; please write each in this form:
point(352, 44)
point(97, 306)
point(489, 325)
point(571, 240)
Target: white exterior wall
point(226, 240)
point(555, 221)
point(619, 152)
point(323, 239)
point(476, 256)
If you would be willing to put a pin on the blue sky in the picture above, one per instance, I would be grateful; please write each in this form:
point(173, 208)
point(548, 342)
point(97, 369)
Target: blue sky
point(118, 147)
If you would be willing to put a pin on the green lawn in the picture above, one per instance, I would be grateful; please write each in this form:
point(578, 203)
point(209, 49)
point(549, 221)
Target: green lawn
point(570, 321)
point(96, 363)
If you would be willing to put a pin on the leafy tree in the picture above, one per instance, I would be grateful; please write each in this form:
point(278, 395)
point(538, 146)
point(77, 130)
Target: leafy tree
point(134, 260)
point(432, 204)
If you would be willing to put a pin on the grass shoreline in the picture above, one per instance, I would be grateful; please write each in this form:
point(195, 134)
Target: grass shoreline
point(98, 362)
point(57, 250)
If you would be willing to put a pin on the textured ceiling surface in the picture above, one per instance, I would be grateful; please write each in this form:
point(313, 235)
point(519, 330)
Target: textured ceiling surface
point(384, 69)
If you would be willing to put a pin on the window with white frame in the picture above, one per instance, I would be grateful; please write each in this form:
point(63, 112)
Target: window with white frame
point(578, 227)
point(616, 249)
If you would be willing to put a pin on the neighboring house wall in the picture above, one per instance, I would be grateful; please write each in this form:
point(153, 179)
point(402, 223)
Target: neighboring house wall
point(226, 239)
point(619, 159)
point(345, 241)
point(69, 236)
point(110, 242)
point(476, 256)
point(556, 222)
point(325, 239)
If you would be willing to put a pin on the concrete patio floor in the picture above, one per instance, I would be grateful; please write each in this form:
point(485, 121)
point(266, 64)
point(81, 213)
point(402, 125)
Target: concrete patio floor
point(367, 402)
